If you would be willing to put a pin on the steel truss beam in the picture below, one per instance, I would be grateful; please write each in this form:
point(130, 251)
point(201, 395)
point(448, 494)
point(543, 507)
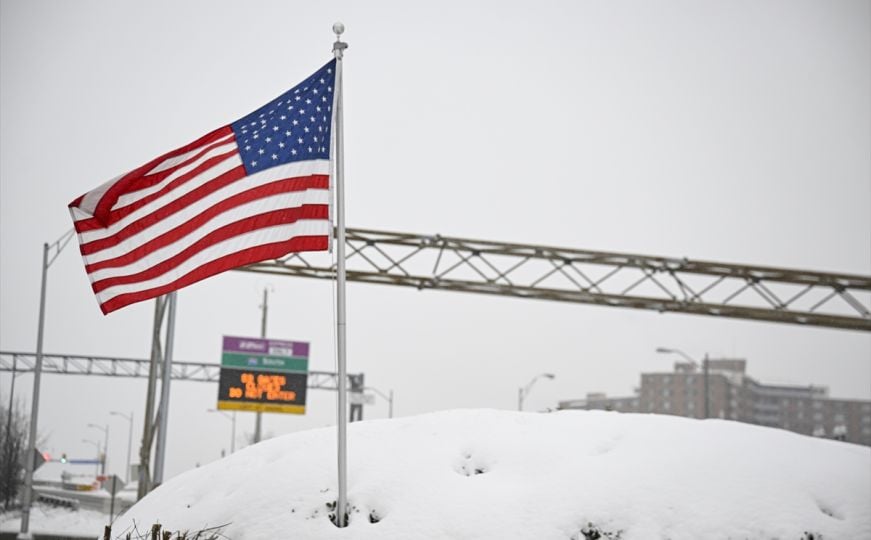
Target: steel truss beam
point(593, 277)
point(70, 364)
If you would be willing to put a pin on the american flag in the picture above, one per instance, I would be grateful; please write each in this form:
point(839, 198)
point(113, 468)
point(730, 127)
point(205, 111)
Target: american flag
point(254, 190)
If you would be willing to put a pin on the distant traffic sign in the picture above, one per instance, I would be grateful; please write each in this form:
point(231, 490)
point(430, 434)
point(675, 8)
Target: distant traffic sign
point(38, 459)
point(359, 398)
point(263, 375)
point(113, 484)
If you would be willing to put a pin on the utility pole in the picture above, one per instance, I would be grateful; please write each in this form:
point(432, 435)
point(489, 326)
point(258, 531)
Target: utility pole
point(707, 387)
point(105, 431)
point(129, 440)
point(258, 422)
point(390, 414)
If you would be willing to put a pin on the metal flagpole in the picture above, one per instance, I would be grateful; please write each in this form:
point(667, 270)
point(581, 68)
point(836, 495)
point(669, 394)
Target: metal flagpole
point(341, 503)
point(59, 244)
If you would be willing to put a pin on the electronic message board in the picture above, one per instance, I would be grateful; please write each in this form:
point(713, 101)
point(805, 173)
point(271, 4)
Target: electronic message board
point(263, 375)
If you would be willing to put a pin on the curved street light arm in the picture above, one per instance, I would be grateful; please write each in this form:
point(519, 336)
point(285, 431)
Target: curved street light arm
point(666, 350)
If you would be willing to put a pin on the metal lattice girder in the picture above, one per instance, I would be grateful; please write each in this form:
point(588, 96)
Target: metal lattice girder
point(593, 277)
point(21, 362)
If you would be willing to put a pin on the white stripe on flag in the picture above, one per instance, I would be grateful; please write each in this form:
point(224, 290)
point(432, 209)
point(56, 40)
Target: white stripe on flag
point(92, 198)
point(173, 161)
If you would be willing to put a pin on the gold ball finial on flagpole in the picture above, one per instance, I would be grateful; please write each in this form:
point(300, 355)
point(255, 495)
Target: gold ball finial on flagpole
point(339, 45)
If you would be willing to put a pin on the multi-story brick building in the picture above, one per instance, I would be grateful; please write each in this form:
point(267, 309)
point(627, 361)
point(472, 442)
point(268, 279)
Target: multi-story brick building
point(733, 395)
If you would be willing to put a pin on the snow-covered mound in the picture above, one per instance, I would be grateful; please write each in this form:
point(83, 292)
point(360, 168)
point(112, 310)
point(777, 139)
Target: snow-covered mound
point(480, 474)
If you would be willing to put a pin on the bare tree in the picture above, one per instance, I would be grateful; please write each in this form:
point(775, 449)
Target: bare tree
point(13, 445)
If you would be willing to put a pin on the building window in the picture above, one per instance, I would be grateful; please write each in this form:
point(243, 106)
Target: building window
point(666, 406)
point(666, 392)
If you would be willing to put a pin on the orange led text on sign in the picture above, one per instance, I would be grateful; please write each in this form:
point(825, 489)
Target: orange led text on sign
point(256, 386)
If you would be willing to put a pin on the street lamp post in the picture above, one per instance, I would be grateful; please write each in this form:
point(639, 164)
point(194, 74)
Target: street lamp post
point(129, 441)
point(666, 350)
point(99, 461)
point(27, 496)
point(105, 431)
point(232, 419)
point(388, 397)
point(524, 391)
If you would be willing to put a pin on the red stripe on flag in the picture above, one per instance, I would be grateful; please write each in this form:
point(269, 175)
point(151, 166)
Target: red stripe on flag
point(148, 180)
point(261, 221)
point(128, 181)
point(227, 262)
point(116, 215)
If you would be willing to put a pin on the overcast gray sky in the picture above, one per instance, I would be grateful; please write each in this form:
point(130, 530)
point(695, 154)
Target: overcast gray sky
point(727, 131)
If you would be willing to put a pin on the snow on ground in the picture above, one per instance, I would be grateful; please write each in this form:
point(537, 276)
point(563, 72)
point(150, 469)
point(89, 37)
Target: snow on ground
point(85, 522)
point(57, 521)
point(481, 474)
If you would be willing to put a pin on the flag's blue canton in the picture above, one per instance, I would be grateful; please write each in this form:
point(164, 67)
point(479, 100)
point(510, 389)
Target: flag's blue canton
point(295, 126)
